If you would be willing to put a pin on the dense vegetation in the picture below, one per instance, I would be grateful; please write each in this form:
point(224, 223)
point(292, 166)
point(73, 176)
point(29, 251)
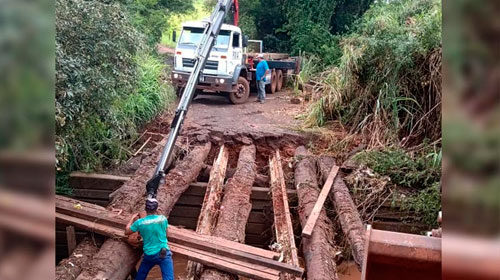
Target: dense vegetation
point(108, 83)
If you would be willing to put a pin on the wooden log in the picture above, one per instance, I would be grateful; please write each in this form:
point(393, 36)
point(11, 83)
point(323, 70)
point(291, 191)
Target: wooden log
point(349, 218)
point(211, 203)
point(282, 217)
point(70, 268)
point(313, 217)
point(319, 250)
point(236, 206)
point(116, 259)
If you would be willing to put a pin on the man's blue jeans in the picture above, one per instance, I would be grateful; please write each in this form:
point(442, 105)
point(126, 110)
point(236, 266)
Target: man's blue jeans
point(166, 266)
point(261, 85)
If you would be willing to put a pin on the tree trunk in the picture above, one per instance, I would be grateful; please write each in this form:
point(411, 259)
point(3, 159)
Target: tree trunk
point(117, 259)
point(319, 251)
point(349, 218)
point(235, 207)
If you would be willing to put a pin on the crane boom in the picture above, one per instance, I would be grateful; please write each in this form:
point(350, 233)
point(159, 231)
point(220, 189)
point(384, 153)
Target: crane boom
point(212, 28)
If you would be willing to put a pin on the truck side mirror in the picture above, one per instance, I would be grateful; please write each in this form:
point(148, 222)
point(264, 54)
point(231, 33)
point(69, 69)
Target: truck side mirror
point(174, 36)
point(245, 41)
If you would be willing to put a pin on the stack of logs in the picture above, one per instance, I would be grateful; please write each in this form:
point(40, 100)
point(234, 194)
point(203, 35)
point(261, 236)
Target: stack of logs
point(224, 216)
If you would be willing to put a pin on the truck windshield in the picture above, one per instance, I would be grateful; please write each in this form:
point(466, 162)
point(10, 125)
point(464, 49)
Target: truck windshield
point(192, 36)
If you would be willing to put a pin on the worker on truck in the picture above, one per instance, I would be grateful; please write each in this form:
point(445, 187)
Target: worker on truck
point(262, 70)
point(153, 230)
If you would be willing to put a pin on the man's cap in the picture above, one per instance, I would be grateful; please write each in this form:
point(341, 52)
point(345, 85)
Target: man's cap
point(260, 55)
point(151, 204)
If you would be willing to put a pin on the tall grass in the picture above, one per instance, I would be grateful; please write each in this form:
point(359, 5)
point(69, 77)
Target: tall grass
point(386, 84)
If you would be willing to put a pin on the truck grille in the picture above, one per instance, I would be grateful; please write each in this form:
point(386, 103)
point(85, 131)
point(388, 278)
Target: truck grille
point(210, 65)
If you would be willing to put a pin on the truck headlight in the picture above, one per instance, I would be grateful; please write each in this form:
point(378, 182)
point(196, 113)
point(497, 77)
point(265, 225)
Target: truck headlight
point(176, 76)
point(221, 81)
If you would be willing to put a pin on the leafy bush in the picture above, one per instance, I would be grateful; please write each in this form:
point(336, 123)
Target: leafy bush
point(387, 81)
point(418, 171)
point(107, 86)
point(426, 205)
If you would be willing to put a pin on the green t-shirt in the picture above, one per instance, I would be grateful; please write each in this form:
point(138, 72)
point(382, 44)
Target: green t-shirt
point(153, 229)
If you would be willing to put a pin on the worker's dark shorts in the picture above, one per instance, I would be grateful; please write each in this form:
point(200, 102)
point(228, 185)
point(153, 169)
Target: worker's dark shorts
point(166, 266)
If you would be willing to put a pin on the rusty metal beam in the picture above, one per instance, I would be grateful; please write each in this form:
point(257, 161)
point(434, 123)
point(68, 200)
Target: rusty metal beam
point(394, 255)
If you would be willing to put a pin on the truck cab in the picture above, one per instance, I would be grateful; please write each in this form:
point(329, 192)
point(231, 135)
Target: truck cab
point(223, 68)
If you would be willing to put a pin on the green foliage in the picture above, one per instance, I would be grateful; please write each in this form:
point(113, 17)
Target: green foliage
point(107, 86)
point(387, 81)
point(418, 171)
point(151, 17)
point(426, 205)
point(201, 11)
point(26, 80)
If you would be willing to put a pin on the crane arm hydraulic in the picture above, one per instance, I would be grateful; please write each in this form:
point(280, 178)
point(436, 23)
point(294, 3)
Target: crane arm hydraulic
point(212, 28)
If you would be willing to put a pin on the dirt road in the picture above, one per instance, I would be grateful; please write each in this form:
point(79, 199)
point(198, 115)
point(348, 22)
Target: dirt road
point(216, 116)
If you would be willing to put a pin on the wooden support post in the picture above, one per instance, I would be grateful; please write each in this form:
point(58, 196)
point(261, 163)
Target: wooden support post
point(282, 217)
point(211, 203)
point(313, 217)
point(71, 239)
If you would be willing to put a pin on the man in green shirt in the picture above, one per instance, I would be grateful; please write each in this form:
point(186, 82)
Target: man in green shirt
point(153, 230)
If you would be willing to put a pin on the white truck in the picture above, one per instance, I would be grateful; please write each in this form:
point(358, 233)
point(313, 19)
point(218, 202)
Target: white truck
point(229, 69)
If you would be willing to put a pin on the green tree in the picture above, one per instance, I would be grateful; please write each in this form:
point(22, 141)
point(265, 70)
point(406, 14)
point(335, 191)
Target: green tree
point(150, 17)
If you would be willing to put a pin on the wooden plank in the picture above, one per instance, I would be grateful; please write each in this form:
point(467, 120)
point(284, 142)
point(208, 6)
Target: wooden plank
point(258, 193)
point(190, 211)
point(282, 216)
point(224, 264)
point(101, 219)
point(92, 221)
point(70, 239)
point(178, 236)
point(190, 223)
point(91, 193)
point(91, 226)
point(80, 180)
point(213, 194)
point(229, 252)
point(318, 206)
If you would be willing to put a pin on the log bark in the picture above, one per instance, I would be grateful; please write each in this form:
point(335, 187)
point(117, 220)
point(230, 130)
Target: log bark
point(235, 207)
point(260, 179)
point(116, 259)
point(349, 218)
point(319, 249)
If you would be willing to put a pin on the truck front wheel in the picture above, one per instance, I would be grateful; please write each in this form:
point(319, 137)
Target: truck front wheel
point(242, 92)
